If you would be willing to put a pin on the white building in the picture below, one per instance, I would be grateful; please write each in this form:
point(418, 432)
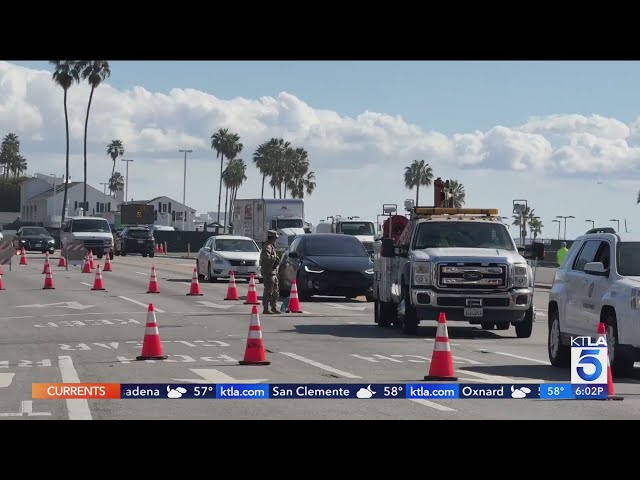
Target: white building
point(168, 212)
point(41, 200)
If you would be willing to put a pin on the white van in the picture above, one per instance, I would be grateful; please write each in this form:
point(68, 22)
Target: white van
point(93, 232)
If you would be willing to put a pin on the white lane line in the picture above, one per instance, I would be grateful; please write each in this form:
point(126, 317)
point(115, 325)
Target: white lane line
point(489, 378)
point(13, 318)
point(437, 406)
point(87, 284)
point(344, 307)
point(78, 408)
point(535, 360)
point(185, 283)
point(145, 274)
point(467, 360)
point(320, 365)
point(146, 305)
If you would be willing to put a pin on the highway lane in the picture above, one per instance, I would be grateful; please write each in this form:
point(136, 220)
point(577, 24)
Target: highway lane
point(75, 334)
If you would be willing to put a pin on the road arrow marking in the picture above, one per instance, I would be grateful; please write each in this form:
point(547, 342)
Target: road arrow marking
point(213, 305)
point(6, 379)
point(345, 307)
point(211, 375)
point(71, 305)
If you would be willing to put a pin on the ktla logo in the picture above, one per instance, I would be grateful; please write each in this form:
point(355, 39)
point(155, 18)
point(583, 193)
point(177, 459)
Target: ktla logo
point(589, 360)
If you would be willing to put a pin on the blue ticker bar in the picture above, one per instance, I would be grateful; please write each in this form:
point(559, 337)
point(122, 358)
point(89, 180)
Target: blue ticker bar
point(556, 391)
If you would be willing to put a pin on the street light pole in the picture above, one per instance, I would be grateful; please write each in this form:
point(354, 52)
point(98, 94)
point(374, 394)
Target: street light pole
point(565, 223)
point(616, 220)
point(126, 181)
point(184, 187)
point(558, 222)
point(593, 224)
point(104, 193)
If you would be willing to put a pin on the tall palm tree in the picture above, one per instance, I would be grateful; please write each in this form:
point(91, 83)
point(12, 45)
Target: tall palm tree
point(417, 174)
point(95, 72)
point(65, 74)
point(457, 190)
point(9, 149)
point(263, 158)
point(18, 165)
point(235, 176)
point(536, 226)
point(115, 149)
point(116, 183)
point(280, 158)
point(528, 214)
point(227, 145)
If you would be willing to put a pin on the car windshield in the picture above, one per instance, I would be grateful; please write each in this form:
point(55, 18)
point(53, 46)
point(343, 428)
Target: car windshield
point(457, 234)
point(235, 245)
point(357, 228)
point(334, 245)
point(35, 231)
point(89, 225)
point(289, 223)
point(629, 259)
point(139, 234)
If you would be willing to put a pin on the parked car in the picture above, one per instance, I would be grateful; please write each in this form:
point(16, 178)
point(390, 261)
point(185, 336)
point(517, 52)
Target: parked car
point(222, 254)
point(327, 264)
point(94, 233)
point(34, 239)
point(135, 240)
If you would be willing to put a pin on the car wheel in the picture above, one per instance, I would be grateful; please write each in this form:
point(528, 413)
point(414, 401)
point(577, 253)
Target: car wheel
point(524, 328)
point(110, 254)
point(100, 255)
point(144, 255)
point(559, 354)
point(302, 294)
point(201, 277)
point(123, 253)
point(619, 358)
point(151, 254)
point(210, 276)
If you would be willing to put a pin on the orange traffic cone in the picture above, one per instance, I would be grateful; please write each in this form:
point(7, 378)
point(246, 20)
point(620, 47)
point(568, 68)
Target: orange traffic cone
point(107, 264)
point(23, 257)
point(441, 368)
point(611, 394)
point(153, 282)
point(156, 249)
point(232, 291)
point(86, 265)
point(252, 295)
point(98, 284)
point(91, 264)
point(47, 268)
point(294, 302)
point(161, 249)
point(48, 281)
point(61, 261)
point(1, 284)
point(151, 345)
point(195, 286)
point(254, 353)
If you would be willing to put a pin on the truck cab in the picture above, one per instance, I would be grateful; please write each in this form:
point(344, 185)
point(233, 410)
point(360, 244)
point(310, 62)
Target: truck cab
point(460, 262)
point(288, 228)
point(363, 230)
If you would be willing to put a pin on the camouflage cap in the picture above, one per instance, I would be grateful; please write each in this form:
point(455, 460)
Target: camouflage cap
point(272, 234)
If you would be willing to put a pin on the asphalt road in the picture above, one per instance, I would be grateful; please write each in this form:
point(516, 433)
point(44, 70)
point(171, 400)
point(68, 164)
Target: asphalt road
point(73, 334)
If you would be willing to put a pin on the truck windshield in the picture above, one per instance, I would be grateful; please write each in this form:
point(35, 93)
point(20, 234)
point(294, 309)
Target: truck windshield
point(628, 259)
point(90, 225)
point(357, 228)
point(289, 223)
point(458, 234)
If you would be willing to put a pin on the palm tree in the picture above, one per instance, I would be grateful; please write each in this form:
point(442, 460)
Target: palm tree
point(263, 158)
point(116, 183)
point(115, 149)
point(280, 157)
point(235, 176)
point(535, 225)
point(95, 72)
point(298, 178)
point(523, 220)
point(457, 190)
point(227, 145)
point(417, 174)
point(18, 165)
point(9, 149)
point(64, 75)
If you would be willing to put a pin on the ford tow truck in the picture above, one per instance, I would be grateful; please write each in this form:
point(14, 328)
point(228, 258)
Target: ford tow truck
point(459, 261)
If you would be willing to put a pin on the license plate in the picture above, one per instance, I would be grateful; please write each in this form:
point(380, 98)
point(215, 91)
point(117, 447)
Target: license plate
point(140, 241)
point(243, 269)
point(473, 312)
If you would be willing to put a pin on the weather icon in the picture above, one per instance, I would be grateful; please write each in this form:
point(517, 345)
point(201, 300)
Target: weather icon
point(176, 392)
point(519, 392)
point(365, 392)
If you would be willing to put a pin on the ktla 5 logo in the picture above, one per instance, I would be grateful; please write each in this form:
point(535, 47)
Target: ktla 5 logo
point(587, 359)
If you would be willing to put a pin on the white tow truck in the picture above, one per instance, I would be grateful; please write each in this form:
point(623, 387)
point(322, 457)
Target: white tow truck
point(363, 230)
point(460, 262)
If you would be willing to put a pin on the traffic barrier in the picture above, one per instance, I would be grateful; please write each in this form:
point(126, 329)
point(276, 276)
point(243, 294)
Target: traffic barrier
point(107, 264)
point(441, 368)
point(98, 283)
point(75, 254)
point(232, 291)
point(151, 345)
point(153, 281)
point(48, 281)
point(611, 394)
point(252, 295)
point(194, 290)
point(294, 301)
point(254, 352)
point(6, 252)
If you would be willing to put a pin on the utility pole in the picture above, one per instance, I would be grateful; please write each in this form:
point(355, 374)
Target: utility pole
point(184, 187)
point(565, 223)
point(593, 224)
point(558, 222)
point(126, 181)
point(618, 222)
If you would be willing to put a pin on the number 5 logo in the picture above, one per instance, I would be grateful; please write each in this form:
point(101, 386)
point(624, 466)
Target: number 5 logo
point(589, 357)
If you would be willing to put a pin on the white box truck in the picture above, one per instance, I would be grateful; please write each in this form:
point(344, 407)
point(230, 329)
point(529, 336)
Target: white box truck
point(363, 230)
point(255, 217)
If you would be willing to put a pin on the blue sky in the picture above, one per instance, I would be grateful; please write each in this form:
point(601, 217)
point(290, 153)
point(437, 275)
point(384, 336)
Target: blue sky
point(444, 98)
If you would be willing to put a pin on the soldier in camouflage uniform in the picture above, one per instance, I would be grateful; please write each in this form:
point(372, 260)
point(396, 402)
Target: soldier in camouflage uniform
point(269, 260)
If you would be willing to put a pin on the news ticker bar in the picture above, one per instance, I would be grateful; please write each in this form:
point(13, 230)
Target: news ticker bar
point(260, 391)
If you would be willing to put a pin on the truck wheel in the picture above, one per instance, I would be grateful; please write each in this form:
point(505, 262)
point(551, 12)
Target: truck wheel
point(382, 313)
point(410, 320)
point(110, 254)
point(100, 255)
point(200, 276)
point(559, 354)
point(621, 361)
point(524, 328)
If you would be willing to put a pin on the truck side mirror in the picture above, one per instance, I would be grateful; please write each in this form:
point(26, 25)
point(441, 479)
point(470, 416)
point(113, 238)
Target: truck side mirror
point(387, 248)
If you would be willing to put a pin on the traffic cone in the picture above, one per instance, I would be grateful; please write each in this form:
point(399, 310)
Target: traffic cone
point(294, 302)
point(23, 257)
point(611, 394)
point(195, 286)
point(252, 295)
point(232, 291)
point(156, 249)
point(254, 353)
point(91, 264)
point(98, 284)
point(107, 264)
point(47, 268)
point(1, 284)
point(441, 368)
point(48, 282)
point(153, 282)
point(86, 265)
point(161, 249)
point(151, 346)
point(61, 261)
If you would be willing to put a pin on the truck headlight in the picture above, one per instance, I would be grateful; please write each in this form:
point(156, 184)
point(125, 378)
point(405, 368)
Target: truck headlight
point(520, 276)
point(422, 273)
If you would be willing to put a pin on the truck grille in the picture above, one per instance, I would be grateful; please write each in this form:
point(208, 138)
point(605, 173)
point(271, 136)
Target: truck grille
point(242, 263)
point(472, 276)
point(93, 243)
point(368, 246)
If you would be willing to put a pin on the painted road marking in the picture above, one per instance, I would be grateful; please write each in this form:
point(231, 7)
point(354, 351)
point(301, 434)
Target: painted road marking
point(186, 359)
point(211, 375)
point(6, 379)
point(26, 363)
point(489, 378)
point(320, 365)
point(78, 408)
point(138, 343)
point(437, 406)
point(87, 284)
point(72, 305)
point(90, 323)
point(535, 360)
point(145, 274)
point(212, 305)
point(343, 307)
point(145, 305)
point(412, 359)
point(26, 408)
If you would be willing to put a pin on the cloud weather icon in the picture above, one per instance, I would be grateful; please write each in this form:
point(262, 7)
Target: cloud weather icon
point(176, 392)
point(519, 392)
point(365, 392)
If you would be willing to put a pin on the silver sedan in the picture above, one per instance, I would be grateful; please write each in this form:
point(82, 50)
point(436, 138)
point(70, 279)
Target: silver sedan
point(223, 254)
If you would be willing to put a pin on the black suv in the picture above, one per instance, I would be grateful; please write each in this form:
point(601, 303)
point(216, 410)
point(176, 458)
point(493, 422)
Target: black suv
point(135, 240)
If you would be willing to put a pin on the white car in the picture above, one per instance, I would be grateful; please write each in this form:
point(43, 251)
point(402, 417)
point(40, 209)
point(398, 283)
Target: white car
point(92, 232)
point(222, 254)
point(599, 281)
